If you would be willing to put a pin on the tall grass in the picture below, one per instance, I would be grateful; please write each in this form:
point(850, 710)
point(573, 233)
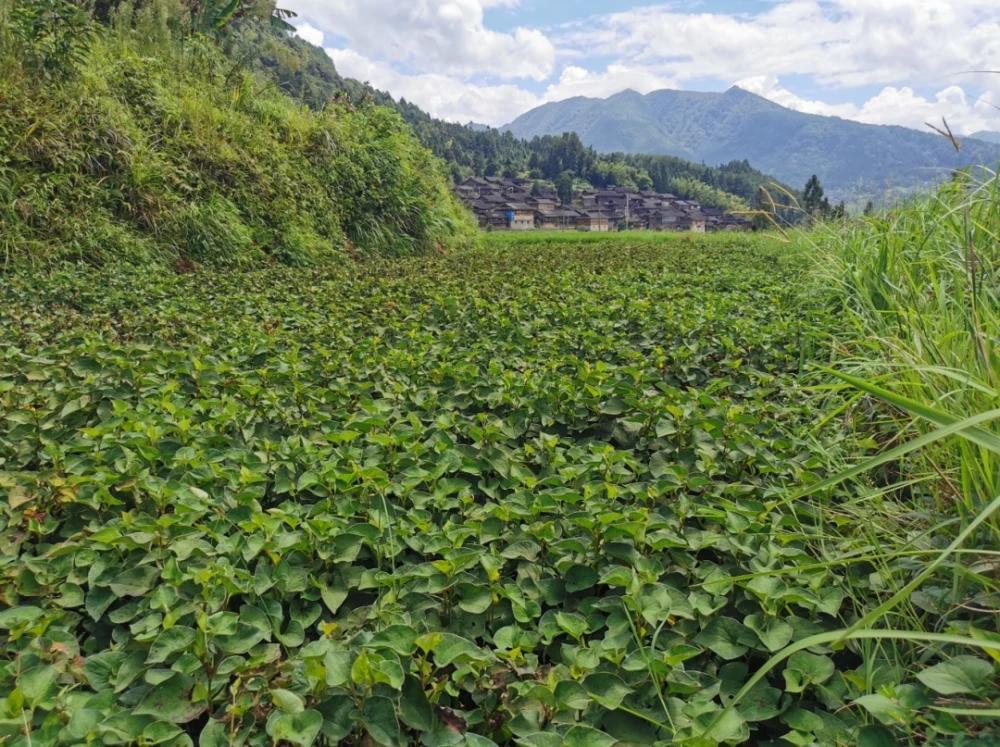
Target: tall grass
point(921, 290)
point(918, 360)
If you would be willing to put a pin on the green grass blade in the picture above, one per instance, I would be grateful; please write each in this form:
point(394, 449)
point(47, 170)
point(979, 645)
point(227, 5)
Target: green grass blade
point(977, 435)
point(902, 450)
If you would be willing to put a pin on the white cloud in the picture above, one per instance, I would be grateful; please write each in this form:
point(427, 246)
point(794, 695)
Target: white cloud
point(310, 33)
point(458, 100)
point(440, 95)
point(431, 36)
point(577, 81)
point(898, 106)
point(844, 43)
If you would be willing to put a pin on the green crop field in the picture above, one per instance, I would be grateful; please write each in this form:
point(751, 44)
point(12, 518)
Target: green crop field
point(536, 492)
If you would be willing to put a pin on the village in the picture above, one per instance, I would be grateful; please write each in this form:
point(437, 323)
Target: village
point(505, 204)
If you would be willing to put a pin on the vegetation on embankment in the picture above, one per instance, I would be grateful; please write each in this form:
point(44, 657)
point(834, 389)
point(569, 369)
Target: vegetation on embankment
point(140, 141)
point(917, 357)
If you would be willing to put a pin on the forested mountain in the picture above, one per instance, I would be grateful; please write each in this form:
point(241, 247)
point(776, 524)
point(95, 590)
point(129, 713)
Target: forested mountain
point(850, 158)
point(305, 71)
point(986, 136)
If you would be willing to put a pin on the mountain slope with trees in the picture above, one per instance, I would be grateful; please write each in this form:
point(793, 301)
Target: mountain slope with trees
point(986, 136)
point(305, 71)
point(851, 159)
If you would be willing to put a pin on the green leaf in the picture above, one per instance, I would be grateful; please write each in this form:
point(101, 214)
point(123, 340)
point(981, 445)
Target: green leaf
point(287, 701)
point(475, 740)
point(580, 578)
point(337, 666)
point(300, 728)
point(451, 648)
point(34, 683)
point(607, 689)
point(571, 695)
point(961, 675)
point(762, 703)
point(168, 701)
point(885, 709)
point(169, 642)
point(774, 633)
point(804, 669)
point(214, 735)
point(586, 736)
point(160, 732)
point(399, 638)
point(333, 598)
point(15, 617)
point(572, 623)
point(379, 718)
point(134, 582)
point(727, 638)
point(614, 406)
point(414, 708)
point(474, 599)
point(876, 736)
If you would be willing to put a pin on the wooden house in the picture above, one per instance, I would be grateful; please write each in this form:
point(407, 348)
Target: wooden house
point(592, 220)
point(520, 217)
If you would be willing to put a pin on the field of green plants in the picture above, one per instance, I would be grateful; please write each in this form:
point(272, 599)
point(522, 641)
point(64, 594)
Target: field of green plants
point(544, 492)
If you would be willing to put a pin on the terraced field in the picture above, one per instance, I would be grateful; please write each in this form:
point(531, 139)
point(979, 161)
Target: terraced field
point(532, 493)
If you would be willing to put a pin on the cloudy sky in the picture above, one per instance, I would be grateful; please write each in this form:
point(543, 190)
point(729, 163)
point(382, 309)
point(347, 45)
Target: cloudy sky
point(880, 61)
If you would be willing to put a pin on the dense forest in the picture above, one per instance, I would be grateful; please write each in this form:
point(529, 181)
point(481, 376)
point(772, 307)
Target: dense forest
point(306, 72)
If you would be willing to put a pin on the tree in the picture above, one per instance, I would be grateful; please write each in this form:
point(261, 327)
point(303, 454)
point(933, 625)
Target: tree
point(870, 208)
point(814, 201)
point(564, 187)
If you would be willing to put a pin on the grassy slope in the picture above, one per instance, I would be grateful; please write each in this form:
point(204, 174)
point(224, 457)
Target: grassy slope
point(159, 149)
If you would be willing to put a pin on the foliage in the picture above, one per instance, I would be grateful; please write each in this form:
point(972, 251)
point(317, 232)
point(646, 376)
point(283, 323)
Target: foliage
point(814, 200)
point(519, 494)
point(205, 16)
point(160, 148)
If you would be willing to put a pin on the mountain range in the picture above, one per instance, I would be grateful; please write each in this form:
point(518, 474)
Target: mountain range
point(851, 159)
point(987, 136)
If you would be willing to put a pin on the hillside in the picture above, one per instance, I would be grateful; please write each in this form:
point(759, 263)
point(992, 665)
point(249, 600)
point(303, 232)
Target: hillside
point(850, 158)
point(135, 143)
point(306, 72)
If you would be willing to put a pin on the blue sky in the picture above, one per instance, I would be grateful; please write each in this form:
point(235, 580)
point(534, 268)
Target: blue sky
point(877, 61)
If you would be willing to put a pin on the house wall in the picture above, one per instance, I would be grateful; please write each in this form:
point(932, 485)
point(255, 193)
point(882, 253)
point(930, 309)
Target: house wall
point(521, 221)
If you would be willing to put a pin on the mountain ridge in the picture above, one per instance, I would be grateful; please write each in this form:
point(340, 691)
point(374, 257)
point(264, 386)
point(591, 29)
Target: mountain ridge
point(851, 158)
point(987, 136)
